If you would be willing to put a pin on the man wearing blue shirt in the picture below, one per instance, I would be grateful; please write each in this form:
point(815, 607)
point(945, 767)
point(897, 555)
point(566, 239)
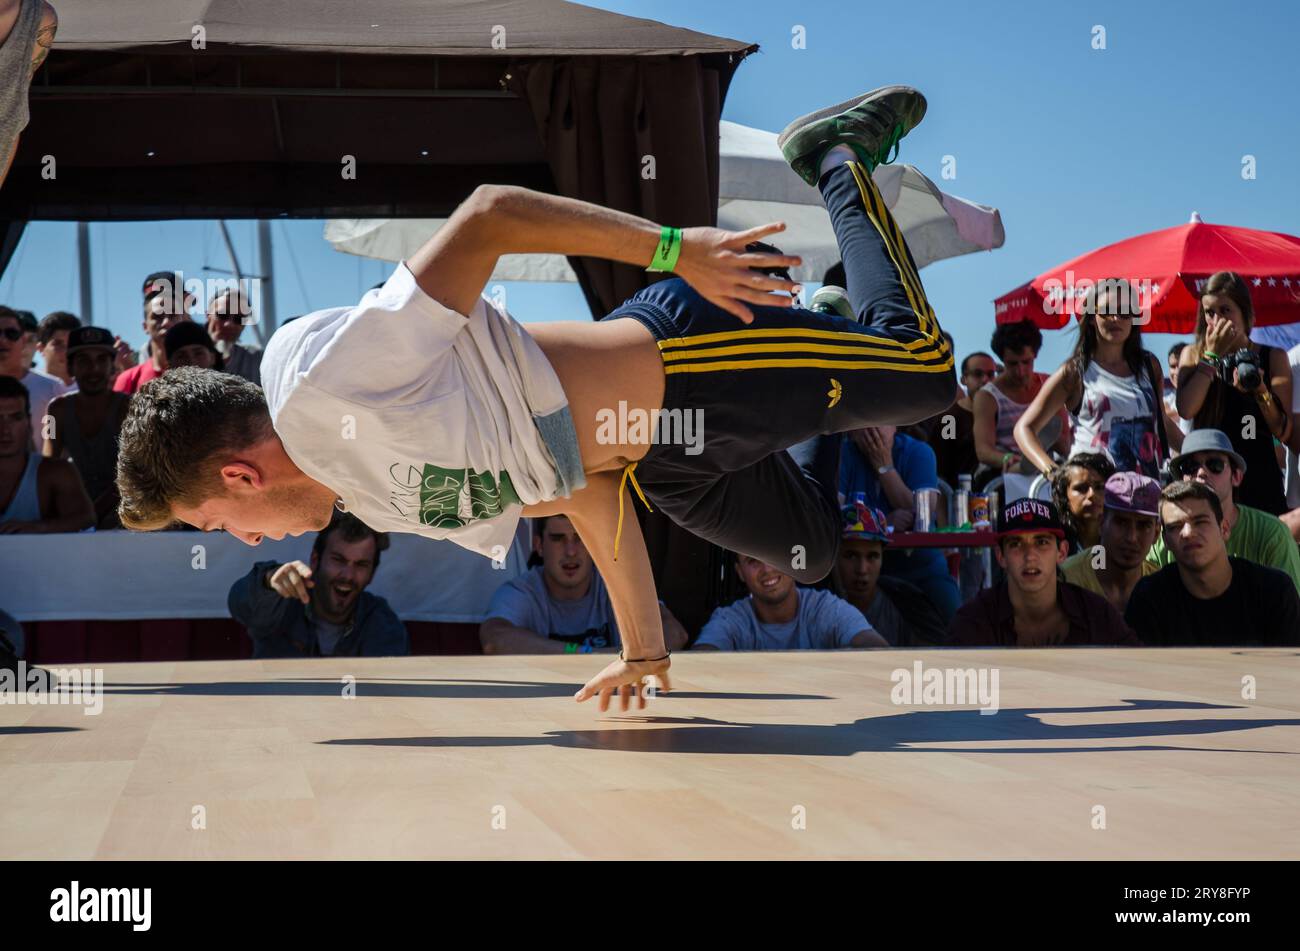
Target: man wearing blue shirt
point(778, 615)
point(886, 466)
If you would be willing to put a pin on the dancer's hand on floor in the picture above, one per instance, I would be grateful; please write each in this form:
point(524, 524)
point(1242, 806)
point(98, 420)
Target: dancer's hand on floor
point(716, 264)
point(627, 680)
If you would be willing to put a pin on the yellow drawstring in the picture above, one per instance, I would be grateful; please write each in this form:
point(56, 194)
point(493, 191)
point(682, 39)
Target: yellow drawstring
point(627, 474)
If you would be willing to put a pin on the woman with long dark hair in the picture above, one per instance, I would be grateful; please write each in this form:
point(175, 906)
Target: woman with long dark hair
point(1079, 493)
point(1113, 386)
point(1214, 395)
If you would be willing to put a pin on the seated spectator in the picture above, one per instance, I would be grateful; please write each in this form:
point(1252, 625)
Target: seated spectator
point(777, 615)
point(896, 610)
point(321, 610)
point(1208, 458)
point(15, 361)
point(951, 434)
point(37, 495)
point(87, 421)
point(1079, 492)
point(1207, 598)
point(228, 312)
point(559, 606)
point(1129, 525)
point(886, 466)
point(188, 345)
point(165, 305)
point(1000, 403)
point(1030, 606)
point(52, 344)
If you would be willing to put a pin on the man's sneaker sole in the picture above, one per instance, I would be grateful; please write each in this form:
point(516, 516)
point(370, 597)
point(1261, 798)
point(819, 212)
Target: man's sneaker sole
point(806, 139)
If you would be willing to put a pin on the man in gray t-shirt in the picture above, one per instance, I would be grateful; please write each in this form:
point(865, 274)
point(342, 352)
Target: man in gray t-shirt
point(560, 606)
point(780, 616)
point(26, 34)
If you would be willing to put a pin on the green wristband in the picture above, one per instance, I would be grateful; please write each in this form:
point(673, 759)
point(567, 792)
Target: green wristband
point(1210, 355)
point(667, 250)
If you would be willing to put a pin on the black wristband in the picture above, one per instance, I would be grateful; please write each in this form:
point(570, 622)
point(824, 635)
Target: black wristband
point(642, 660)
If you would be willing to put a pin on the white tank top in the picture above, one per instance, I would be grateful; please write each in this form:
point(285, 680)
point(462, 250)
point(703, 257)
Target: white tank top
point(1117, 417)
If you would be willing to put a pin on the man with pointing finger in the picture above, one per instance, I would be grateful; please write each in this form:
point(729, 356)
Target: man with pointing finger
point(321, 609)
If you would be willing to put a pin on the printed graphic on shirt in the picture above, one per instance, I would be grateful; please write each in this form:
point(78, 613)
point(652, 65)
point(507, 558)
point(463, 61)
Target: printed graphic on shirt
point(593, 637)
point(1132, 444)
point(449, 498)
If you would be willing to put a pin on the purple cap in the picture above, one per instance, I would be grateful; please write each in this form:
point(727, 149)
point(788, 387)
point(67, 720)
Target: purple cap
point(1133, 492)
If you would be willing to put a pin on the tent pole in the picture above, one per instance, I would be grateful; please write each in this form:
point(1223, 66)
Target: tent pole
point(267, 322)
point(83, 272)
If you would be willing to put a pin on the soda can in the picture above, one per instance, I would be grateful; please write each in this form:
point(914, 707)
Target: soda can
point(979, 513)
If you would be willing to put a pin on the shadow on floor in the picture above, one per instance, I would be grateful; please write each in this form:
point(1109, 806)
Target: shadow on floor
point(25, 730)
point(896, 733)
point(431, 689)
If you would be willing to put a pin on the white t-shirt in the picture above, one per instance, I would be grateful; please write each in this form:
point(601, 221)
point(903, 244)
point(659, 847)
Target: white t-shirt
point(421, 419)
point(42, 389)
point(1291, 476)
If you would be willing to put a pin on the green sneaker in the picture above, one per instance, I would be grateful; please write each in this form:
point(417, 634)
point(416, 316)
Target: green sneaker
point(871, 124)
point(830, 299)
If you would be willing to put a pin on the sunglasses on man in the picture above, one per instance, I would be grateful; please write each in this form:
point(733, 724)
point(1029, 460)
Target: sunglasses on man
point(13, 333)
point(1185, 470)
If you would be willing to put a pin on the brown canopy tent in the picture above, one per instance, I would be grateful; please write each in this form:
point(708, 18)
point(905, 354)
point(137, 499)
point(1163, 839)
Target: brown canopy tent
point(156, 109)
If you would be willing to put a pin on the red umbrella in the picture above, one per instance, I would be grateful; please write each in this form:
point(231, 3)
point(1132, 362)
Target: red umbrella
point(1169, 268)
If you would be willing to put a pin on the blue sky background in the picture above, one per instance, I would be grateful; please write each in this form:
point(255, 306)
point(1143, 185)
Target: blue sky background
point(1077, 147)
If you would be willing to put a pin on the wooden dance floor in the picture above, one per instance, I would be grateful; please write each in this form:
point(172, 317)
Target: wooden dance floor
point(1092, 754)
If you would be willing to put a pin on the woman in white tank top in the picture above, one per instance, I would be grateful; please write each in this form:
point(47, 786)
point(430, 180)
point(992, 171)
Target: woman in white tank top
point(1114, 388)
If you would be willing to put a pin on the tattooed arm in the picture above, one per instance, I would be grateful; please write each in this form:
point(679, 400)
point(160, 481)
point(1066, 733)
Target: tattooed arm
point(44, 36)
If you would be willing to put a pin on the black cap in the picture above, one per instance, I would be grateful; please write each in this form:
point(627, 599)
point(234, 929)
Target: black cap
point(160, 281)
point(1025, 516)
point(184, 334)
point(89, 338)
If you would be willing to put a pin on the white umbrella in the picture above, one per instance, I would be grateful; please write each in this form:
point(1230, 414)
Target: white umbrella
point(756, 186)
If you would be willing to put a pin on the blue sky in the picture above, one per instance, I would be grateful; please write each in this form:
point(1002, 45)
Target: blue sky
point(1078, 147)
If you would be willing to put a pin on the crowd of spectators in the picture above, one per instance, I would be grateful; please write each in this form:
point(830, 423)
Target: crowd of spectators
point(1135, 509)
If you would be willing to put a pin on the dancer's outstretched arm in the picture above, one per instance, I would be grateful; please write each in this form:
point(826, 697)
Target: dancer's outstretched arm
point(456, 263)
point(593, 510)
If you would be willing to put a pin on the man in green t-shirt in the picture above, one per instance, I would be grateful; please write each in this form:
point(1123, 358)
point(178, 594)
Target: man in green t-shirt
point(1208, 457)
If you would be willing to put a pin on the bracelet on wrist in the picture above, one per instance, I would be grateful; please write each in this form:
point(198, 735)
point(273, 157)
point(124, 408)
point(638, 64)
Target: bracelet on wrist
point(667, 250)
point(1210, 355)
point(642, 660)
